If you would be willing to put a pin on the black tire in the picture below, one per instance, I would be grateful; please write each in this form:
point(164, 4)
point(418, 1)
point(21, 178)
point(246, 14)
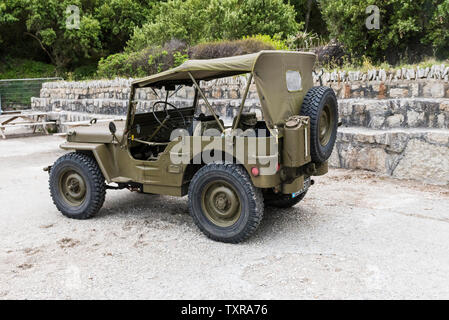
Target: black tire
point(250, 199)
point(282, 200)
point(321, 102)
point(86, 171)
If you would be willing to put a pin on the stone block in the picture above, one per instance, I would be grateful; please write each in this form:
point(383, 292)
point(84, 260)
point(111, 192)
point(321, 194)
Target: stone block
point(399, 93)
point(424, 161)
point(395, 121)
point(414, 119)
point(434, 90)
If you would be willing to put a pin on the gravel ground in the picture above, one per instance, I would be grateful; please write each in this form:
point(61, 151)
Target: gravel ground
point(355, 235)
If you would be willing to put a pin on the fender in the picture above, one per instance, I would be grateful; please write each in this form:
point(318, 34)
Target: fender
point(101, 153)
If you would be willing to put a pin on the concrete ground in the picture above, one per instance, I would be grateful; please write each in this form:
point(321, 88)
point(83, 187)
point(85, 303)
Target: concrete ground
point(355, 235)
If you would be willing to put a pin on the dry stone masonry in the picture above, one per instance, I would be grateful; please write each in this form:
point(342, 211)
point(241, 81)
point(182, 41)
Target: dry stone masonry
point(393, 122)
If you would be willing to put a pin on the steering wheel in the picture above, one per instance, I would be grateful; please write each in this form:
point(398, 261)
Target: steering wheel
point(165, 103)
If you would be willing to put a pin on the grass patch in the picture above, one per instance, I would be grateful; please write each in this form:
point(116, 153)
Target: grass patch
point(14, 68)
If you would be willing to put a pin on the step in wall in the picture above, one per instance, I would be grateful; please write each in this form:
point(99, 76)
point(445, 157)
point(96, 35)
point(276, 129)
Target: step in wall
point(419, 154)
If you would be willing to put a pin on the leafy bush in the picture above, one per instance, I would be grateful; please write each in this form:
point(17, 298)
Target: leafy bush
point(197, 21)
point(228, 48)
point(145, 62)
point(331, 55)
point(276, 42)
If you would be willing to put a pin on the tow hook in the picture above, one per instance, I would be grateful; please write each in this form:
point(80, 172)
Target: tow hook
point(48, 168)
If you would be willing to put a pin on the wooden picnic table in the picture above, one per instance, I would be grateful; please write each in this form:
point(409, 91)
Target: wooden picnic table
point(29, 119)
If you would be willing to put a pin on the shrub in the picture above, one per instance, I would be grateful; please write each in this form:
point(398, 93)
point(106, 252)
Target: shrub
point(145, 62)
point(305, 41)
point(275, 41)
point(331, 55)
point(228, 48)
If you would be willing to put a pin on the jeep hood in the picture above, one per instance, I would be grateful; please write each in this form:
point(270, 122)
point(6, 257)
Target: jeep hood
point(95, 133)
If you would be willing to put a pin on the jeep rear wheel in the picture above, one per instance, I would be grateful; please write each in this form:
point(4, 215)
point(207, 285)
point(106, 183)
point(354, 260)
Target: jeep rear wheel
point(77, 186)
point(224, 203)
point(320, 104)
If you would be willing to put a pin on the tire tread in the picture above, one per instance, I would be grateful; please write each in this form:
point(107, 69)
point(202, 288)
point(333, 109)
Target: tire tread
point(98, 192)
point(256, 200)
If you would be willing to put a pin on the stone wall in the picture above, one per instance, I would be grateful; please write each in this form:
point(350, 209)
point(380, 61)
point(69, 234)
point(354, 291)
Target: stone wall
point(392, 123)
point(110, 97)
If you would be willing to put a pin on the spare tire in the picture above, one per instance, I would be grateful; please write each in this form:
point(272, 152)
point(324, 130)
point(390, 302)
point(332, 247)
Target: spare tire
point(320, 104)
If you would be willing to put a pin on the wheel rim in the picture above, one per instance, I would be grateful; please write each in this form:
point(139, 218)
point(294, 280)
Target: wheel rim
point(325, 125)
point(220, 203)
point(72, 187)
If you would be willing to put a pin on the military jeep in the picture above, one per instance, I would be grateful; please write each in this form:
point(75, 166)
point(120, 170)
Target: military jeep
point(229, 168)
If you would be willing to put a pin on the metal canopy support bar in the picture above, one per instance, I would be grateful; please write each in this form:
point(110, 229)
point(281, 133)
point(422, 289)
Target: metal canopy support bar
point(243, 100)
point(207, 102)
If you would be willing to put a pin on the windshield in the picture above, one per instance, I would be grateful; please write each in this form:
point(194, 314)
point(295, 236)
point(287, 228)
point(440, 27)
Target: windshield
point(181, 97)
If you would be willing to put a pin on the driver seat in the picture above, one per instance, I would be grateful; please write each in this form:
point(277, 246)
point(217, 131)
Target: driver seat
point(202, 125)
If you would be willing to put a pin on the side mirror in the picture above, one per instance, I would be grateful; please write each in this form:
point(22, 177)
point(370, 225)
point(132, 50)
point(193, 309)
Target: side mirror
point(112, 127)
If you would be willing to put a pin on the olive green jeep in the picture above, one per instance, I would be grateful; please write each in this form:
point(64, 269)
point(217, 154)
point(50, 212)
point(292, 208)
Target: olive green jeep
point(229, 168)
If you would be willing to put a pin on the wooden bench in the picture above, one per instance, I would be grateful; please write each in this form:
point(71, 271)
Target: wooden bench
point(29, 119)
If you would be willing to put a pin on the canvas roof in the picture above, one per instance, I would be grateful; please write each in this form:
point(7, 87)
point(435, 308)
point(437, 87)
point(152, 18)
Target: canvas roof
point(268, 67)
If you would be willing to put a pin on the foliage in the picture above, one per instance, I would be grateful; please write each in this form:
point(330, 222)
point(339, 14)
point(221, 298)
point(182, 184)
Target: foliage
point(270, 17)
point(196, 21)
point(308, 12)
point(406, 27)
point(276, 42)
point(410, 30)
point(305, 41)
point(142, 63)
point(16, 68)
point(155, 59)
point(38, 28)
point(228, 48)
point(439, 26)
point(119, 18)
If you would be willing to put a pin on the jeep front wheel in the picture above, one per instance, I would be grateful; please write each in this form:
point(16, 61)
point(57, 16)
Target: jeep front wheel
point(224, 203)
point(77, 186)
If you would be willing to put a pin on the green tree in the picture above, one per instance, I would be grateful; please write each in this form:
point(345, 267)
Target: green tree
point(270, 17)
point(439, 30)
point(37, 29)
point(308, 12)
point(47, 24)
point(207, 20)
point(404, 25)
point(119, 18)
